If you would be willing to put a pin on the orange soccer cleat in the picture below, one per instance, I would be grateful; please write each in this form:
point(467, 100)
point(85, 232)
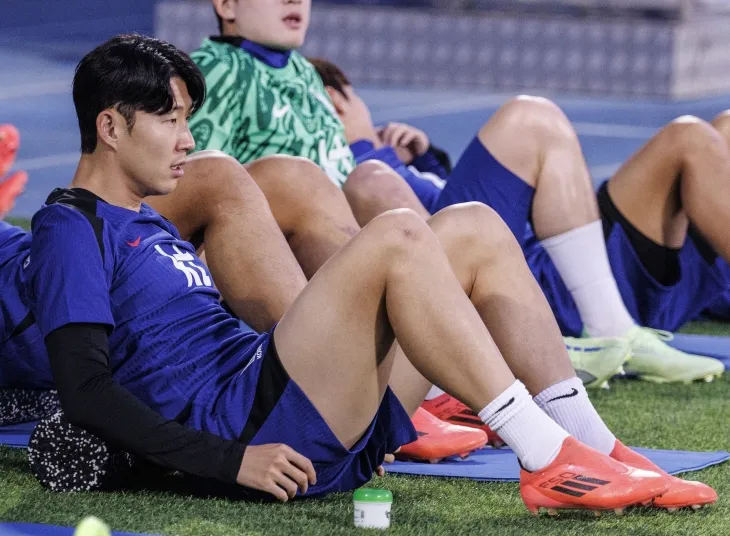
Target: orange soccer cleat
point(9, 143)
point(10, 189)
point(681, 493)
point(583, 478)
point(438, 439)
point(449, 409)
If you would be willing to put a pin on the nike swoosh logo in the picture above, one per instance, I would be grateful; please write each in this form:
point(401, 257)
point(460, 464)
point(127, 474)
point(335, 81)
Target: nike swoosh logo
point(135, 243)
point(508, 404)
point(573, 393)
point(278, 113)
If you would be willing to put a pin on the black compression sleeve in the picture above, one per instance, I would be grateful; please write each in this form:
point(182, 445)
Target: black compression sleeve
point(79, 355)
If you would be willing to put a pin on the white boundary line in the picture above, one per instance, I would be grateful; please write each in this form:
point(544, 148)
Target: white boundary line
point(43, 162)
point(35, 89)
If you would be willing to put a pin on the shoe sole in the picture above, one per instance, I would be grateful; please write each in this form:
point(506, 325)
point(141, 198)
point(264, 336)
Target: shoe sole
point(707, 378)
point(693, 507)
point(411, 458)
point(553, 507)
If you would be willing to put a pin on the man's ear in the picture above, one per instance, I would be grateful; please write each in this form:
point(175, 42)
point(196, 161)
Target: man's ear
point(109, 125)
point(225, 9)
point(338, 99)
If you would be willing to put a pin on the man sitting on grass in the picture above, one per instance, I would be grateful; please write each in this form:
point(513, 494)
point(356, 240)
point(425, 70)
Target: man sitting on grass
point(128, 313)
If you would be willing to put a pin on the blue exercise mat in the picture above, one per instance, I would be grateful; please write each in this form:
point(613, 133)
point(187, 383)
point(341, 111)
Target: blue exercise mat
point(709, 345)
point(37, 529)
point(501, 465)
point(17, 435)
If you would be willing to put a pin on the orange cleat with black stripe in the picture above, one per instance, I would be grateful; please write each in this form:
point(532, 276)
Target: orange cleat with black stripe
point(681, 493)
point(449, 409)
point(581, 478)
point(438, 439)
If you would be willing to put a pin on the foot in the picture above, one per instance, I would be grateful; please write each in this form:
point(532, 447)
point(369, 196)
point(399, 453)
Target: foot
point(681, 493)
point(438, 439)
point(449, 409)
point(597, 360)
point(582, 478)
point(9, 143)
point(652, 359)
point(10, 189)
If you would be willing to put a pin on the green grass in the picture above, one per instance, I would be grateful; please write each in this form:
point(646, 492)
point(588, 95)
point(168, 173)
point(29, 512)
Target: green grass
point(689, 417)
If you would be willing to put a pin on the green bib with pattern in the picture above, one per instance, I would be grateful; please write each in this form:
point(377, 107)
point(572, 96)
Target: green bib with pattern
point(254, 110)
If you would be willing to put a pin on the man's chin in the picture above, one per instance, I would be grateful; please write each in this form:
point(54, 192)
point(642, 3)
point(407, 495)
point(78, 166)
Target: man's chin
point(162, 188)
point(288, 43)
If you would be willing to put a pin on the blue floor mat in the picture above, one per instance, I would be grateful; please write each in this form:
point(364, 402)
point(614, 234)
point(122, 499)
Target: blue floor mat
point(37, 529)
point(16, 436)
point(709, 345)
point(501, 465)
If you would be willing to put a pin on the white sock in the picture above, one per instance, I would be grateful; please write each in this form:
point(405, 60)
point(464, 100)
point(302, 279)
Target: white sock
point(535, 438)
point(568, 405)
point(581, 259)
point(435, 392)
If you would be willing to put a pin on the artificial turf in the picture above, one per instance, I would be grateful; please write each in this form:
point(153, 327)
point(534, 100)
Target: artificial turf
point(687, 417)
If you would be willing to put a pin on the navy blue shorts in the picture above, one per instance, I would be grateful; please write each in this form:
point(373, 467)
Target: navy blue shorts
point(269, 407)
point(702, 286)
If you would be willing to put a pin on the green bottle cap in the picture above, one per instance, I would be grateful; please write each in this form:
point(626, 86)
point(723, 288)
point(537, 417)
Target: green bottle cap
point(373, 495)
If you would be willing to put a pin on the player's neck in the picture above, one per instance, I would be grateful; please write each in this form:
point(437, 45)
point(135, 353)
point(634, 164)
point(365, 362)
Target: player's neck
point(104, 179)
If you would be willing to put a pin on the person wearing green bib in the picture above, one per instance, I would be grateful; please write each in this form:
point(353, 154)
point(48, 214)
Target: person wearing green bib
point(264, 97)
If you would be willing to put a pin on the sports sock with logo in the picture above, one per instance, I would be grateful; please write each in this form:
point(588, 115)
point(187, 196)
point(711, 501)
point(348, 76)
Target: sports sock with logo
point(582, 261)
point(533, 436)
point(568, 405)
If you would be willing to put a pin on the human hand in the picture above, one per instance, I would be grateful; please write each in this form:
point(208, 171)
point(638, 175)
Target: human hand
point(277, 469)
point(408, 141)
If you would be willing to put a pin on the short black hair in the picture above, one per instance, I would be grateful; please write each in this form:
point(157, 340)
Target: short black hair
point(331, 75)
point(131, 73)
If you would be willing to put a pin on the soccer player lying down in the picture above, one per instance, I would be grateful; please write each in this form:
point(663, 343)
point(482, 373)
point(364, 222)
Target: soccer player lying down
point(129, 313)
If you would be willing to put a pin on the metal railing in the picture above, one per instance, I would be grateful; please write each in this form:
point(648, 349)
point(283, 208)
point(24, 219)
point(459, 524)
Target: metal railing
point(667, 9)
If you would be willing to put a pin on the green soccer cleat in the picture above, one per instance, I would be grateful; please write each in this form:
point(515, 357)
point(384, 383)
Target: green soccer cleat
point(597, 360)
point(652, 359)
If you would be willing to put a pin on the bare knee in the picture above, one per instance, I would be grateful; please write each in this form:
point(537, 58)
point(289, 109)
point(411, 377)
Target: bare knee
point(537, 117)
point(691, 137)
point(296, 176)
point(296, 187)
point(476, 228)
point(398, 233)
point(722, 124)
point(375, 183)
point(220, 179)
point(374, 187)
